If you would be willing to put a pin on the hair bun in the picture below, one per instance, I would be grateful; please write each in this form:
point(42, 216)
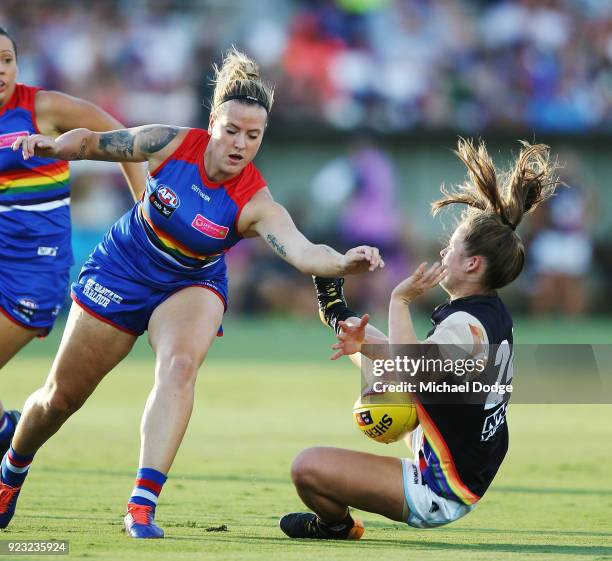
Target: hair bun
point(239, 75)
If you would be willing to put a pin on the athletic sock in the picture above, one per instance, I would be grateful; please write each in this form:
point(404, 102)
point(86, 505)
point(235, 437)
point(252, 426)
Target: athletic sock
point(7, 426)
point(15, 468)
point(148, 486)
point(340, 528)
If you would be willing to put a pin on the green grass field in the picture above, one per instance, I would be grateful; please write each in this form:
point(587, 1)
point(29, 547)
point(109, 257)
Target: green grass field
point(266, 392)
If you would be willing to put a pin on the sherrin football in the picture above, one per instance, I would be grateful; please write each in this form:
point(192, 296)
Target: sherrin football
point(383, 418)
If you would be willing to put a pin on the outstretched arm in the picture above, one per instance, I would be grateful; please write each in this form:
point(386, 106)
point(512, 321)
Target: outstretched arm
point(57, 113)
point(150, 143)
point(354, 333)
point(272, 222)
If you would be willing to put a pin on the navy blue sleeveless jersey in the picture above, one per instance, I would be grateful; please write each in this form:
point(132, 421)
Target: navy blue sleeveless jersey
point(464, 444)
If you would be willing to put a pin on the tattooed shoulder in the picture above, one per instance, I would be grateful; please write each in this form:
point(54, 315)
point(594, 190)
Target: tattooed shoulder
point(153, 139)
point(276, 245)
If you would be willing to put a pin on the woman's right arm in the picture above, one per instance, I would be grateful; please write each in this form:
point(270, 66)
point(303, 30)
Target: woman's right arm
point(152, 143)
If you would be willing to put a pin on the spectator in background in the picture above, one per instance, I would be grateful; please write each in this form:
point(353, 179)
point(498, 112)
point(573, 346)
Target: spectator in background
point(561, 250)
point(359, 194)
point(388, 64)
point(399, 66)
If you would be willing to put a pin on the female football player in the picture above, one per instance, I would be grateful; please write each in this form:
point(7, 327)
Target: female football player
point(35, 252)
point(459, 446)
point(161, 267)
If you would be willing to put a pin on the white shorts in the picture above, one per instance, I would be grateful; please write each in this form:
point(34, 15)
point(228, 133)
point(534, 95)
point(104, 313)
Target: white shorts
point(426, 509)
point(567, 253)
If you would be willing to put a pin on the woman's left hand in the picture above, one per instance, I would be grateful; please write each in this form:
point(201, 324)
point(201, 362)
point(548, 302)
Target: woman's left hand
point(350, 338)
point(361, 259)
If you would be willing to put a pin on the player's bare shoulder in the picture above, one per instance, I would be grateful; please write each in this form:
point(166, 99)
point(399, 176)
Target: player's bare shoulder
point(260, 203)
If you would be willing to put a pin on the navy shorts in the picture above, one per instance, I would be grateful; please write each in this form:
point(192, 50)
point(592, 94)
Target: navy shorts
point(123, 290)
point(33, 299)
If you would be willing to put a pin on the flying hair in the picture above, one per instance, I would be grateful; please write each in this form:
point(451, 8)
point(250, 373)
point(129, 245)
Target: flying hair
point(497, 203)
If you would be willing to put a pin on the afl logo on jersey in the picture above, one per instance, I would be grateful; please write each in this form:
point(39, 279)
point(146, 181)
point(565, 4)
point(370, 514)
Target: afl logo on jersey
point(164, 200)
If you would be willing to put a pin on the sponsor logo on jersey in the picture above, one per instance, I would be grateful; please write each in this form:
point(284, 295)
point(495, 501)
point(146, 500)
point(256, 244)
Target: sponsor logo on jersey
point(209, 228)
point(201, 193)
point(164, 200)
point(6, 140)
point(47, 251)
point(100, 294)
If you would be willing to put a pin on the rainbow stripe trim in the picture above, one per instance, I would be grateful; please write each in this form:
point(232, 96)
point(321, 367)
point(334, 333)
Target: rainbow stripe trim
point(173, 247)
point(445, 472)
point(36, 180)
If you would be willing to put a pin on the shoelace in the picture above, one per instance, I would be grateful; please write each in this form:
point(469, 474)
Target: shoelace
point(141, 514)
point(312, 527)
point(6, 496)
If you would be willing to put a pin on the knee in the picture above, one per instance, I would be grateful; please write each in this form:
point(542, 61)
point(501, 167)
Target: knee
point(305, 468)
point(179, 369)
point(62, 402)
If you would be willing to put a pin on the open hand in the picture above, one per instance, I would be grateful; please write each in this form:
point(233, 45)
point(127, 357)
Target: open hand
point(420, 281)
point(36, 145)
point(350, 338)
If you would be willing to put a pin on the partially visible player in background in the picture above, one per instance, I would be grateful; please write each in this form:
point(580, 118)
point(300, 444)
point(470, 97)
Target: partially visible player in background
point(459, 451)
point(162, 268)
point(35, 252)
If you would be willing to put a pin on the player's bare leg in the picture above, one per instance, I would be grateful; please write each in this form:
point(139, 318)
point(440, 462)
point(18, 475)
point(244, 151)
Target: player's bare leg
point(14, 337)
point(89, 349)
point(329, 480)
point(181, 331)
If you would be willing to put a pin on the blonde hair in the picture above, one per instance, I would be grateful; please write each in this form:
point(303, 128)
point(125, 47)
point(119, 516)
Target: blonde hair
point(497, 205)
point(239, 76)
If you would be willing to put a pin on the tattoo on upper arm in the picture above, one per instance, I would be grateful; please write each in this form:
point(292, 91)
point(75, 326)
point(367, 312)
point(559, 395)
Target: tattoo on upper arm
point(153, 139)
point(276, 245)
point(80, 155)
point(117, 143)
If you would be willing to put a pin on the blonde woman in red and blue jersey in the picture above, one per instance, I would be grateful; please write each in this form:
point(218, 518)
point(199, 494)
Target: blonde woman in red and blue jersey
point(162, 268)
point(35, 251)
point(460, 443)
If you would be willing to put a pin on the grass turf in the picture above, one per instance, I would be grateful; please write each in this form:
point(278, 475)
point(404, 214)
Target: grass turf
point(255, 410)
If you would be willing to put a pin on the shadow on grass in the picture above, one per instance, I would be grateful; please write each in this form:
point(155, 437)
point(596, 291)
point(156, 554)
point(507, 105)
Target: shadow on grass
point(420, 545)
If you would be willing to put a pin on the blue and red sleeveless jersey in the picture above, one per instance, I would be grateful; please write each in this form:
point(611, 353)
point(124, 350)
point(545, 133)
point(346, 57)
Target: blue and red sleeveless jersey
point(189, 219)
point(34, 194)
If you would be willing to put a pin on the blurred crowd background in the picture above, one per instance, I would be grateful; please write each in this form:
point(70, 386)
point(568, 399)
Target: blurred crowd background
point(370, 97)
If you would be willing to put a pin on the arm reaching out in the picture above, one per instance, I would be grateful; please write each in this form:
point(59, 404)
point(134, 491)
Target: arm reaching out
point(271, 221)
point(139, 144)
point(57, 113)
point(401, 331)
